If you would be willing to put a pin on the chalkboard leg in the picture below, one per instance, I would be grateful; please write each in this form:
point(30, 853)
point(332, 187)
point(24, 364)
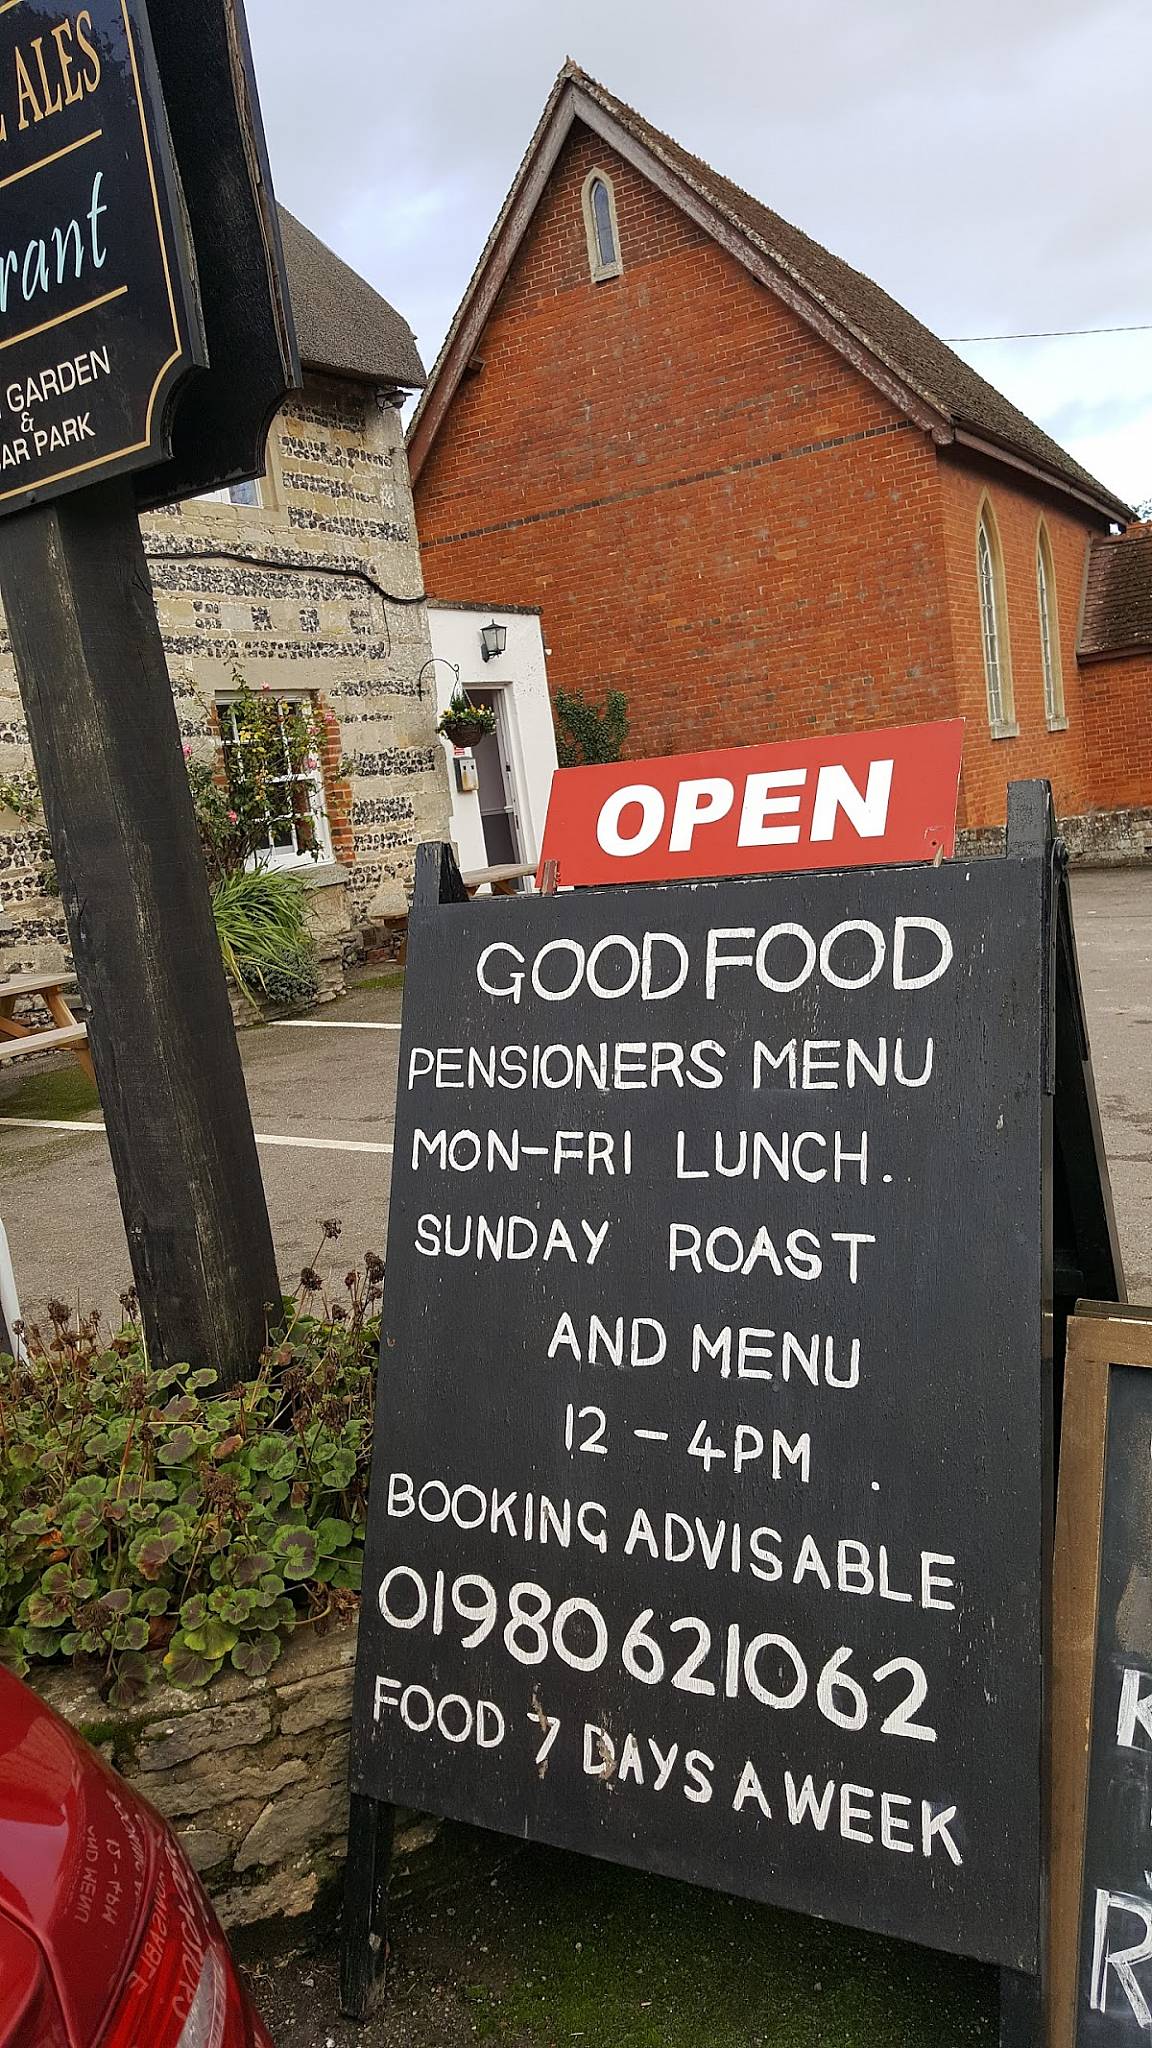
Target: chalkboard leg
point(365, 1917)
point(1021, 2011)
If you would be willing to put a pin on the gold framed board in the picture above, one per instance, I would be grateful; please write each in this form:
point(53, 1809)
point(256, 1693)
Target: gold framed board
point(1088, 2006)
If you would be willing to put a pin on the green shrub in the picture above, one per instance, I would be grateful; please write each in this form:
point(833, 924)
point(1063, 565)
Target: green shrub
point(141, 1510)
point(586, 736)
point(21, 795)
point(262, 924)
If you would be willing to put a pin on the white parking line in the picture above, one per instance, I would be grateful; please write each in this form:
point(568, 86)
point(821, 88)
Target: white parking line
point(328, 1024)
point(43, 1123)
point(325, 1144)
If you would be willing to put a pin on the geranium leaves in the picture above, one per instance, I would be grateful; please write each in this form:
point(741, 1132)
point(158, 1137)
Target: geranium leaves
point(337, 1467)
point(178, 1448)
point(296, 1551)
point(131, 1681)
point(248, 1571)
point(12, 1651)
point(148, 1511)
point(157, 1545)
point(256, 1657)
point(273, 1457)
point(236, 1607)
point(213, 1639)
point(333, 1535)
point(186, 1666)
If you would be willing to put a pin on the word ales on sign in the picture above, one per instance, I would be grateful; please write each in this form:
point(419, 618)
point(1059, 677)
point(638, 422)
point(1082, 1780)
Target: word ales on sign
point(708, 1496)
point(96, 318)
point(857, 799)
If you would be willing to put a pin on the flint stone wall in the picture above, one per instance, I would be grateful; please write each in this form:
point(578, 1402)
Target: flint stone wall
point(1096, 839)
point(314, 592)
point(251, 1773)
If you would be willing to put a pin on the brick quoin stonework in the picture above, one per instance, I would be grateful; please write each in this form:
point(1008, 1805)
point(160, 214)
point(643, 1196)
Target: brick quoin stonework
point(722, 517)
point(317, 590)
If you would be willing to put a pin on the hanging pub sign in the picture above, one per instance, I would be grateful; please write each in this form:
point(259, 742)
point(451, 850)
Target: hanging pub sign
point(222, 419)
point(849, 800)
point(712, 1464)
point(99, 319)
point(1102, 1796)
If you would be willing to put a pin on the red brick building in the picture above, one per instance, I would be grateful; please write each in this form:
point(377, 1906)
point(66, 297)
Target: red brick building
point(752, 492)
point(1115, 657)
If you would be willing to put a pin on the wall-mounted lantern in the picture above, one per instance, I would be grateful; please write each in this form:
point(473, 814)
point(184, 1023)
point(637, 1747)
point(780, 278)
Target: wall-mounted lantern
point(493, 640)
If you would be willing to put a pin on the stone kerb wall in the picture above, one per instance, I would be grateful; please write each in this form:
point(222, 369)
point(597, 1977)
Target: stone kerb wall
point(1098, 839)
point(251, 1773)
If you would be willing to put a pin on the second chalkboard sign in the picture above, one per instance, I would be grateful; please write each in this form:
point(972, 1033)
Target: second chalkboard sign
point(1102, 1867)
point(712, 1466)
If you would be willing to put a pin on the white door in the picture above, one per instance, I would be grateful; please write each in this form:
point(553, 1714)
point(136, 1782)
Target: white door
point(496, 776)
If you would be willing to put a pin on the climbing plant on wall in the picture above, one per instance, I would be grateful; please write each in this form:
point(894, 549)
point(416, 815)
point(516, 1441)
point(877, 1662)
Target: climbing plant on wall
point(586, 736)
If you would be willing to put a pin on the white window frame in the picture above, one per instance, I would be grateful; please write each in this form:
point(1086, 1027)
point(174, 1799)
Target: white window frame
point(994, 628)
point(1048, 615)
point(596, 264)
point(225, 497)
point(310, 778)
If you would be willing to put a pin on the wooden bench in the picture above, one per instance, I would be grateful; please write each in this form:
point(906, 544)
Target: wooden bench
point(64, 1033)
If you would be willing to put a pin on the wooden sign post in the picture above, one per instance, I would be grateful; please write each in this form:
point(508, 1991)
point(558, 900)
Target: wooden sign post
point(1102, 1753)
point(713, 1491)
point(102, 342)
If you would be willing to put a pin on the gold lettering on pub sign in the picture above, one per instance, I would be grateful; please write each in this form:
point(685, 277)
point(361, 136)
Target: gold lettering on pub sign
point(50, 72)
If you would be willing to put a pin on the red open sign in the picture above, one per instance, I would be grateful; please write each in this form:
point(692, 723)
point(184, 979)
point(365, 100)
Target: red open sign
point(860, 799)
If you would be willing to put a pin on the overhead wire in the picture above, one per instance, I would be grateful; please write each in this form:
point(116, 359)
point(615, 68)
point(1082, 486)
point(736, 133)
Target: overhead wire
point(1051, 333)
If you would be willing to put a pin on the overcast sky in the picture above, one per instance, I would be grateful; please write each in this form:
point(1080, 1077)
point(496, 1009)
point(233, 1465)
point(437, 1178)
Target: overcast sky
point(988, 164)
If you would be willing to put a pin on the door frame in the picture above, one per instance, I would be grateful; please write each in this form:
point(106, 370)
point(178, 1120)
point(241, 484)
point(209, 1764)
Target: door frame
point(511, 760)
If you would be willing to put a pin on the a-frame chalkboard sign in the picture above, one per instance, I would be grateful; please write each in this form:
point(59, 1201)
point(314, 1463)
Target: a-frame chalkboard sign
point(1102, 1747)
point(733, 1228)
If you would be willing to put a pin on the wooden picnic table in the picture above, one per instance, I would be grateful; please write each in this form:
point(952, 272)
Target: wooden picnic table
point(501, 880)
point(63, 1034)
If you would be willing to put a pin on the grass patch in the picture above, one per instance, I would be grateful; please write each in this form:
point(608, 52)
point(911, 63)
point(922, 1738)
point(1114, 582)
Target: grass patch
point(60, 1093)
point(393, 980)
point(615, 1959)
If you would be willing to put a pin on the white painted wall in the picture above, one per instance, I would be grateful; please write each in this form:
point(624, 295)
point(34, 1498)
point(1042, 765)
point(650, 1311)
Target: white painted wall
point(520, 673)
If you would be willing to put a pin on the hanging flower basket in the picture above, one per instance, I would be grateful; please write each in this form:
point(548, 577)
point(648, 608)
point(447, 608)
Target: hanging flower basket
point(465, 724)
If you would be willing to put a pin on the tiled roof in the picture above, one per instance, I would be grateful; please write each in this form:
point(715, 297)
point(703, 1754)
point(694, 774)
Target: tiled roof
point(1118, 595)
point(922, 364)
point(343, 324)
point(909, 348)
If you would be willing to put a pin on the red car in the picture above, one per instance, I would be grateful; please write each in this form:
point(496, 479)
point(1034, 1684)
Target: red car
point(106, 1937)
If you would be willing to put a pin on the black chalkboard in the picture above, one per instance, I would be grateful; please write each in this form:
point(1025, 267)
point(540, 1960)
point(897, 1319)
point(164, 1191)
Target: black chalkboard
point(712, 1491)
point(1104, 1719)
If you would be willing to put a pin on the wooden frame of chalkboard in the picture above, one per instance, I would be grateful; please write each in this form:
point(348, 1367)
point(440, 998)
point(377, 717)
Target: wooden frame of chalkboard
point(1093, 1804)
point(1011, 1224)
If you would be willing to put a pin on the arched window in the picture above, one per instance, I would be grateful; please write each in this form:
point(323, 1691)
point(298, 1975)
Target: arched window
point(1049, 632)
point(599, 202)
point(994, 628)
